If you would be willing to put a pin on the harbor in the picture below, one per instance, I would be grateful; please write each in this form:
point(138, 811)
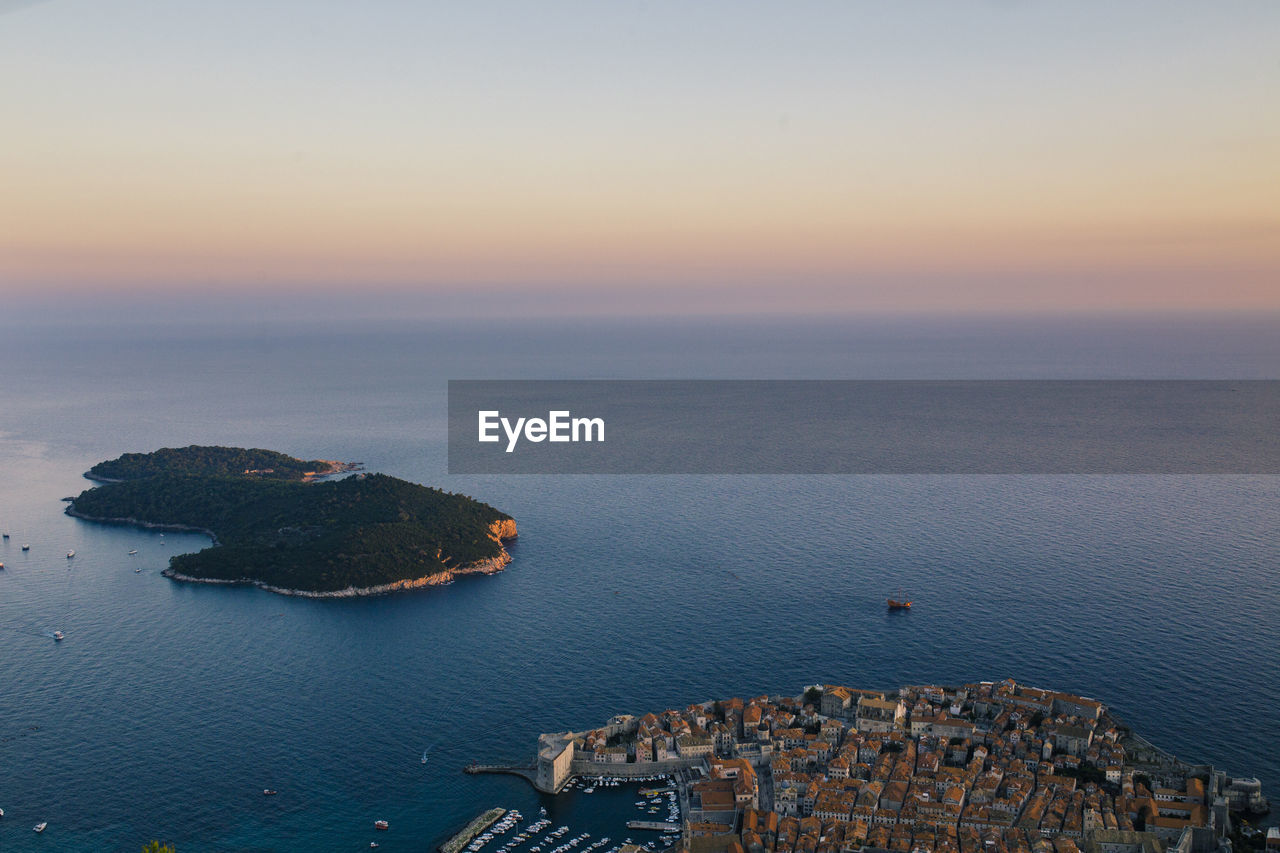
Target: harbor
point(591, 814)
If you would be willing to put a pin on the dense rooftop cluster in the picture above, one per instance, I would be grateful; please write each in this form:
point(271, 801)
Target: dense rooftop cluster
point(990, 768)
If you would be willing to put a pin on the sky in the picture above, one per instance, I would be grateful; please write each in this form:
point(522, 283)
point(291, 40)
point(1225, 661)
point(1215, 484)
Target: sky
point(643, 157)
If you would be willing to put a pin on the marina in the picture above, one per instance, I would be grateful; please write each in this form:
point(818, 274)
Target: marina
point(589, 815)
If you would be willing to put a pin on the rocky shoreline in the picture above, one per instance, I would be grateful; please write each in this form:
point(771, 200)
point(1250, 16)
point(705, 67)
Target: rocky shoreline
point(137, 522)
point(493, 565)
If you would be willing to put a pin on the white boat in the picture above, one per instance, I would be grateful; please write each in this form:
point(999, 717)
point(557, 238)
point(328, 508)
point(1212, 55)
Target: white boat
point(71, 554)
point(137, 570)
point(2, 810)
point(424, 756)
point(134, 551)
point(58, 635)
point(39, 827)
point(26, 547)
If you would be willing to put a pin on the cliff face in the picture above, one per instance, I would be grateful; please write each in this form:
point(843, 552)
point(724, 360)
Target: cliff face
point(503, 529)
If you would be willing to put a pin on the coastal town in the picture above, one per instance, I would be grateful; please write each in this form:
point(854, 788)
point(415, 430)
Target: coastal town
point(992, 767)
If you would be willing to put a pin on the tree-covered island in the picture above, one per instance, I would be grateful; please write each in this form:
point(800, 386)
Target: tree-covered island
point(275, 526)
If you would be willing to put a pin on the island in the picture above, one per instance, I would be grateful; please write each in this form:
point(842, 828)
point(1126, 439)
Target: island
point(215, 461)
point(286, 525)
point(985, 767)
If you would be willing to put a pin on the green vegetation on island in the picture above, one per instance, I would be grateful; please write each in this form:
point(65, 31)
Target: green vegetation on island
point(212, 461)
point(366, 533)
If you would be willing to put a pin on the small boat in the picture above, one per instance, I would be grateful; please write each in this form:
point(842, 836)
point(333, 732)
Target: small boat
point(269, 792)
point(134, 551)
point(2, 810)
point(26, 547)
point(58, 635)
point(6, 536)
point(138, 570)
point(424, 756)
point(900, 603)
point(1, 565)
point(381, 824)
point(71, 554)
point(39, 827)
point(373, 844)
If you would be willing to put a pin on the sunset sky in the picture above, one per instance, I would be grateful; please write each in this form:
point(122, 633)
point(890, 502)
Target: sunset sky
point(658, 156)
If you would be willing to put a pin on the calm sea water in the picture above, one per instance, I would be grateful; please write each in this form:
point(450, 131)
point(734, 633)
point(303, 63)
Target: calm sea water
point(168, 708)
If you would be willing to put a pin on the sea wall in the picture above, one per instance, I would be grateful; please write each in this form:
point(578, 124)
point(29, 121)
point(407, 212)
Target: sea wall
point(638, 769)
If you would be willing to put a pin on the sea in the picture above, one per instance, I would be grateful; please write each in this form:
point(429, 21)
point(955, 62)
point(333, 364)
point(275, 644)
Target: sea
point(169, 707)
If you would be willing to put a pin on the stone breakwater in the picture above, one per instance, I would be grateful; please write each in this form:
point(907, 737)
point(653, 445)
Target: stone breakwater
point(477, 826)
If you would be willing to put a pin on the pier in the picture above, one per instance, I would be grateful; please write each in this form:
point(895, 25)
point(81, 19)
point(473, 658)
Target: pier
point(655, 825)
point(527, 771)
point(477, 826)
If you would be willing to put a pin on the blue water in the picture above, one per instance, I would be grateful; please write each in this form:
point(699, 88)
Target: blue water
point(169, 707)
